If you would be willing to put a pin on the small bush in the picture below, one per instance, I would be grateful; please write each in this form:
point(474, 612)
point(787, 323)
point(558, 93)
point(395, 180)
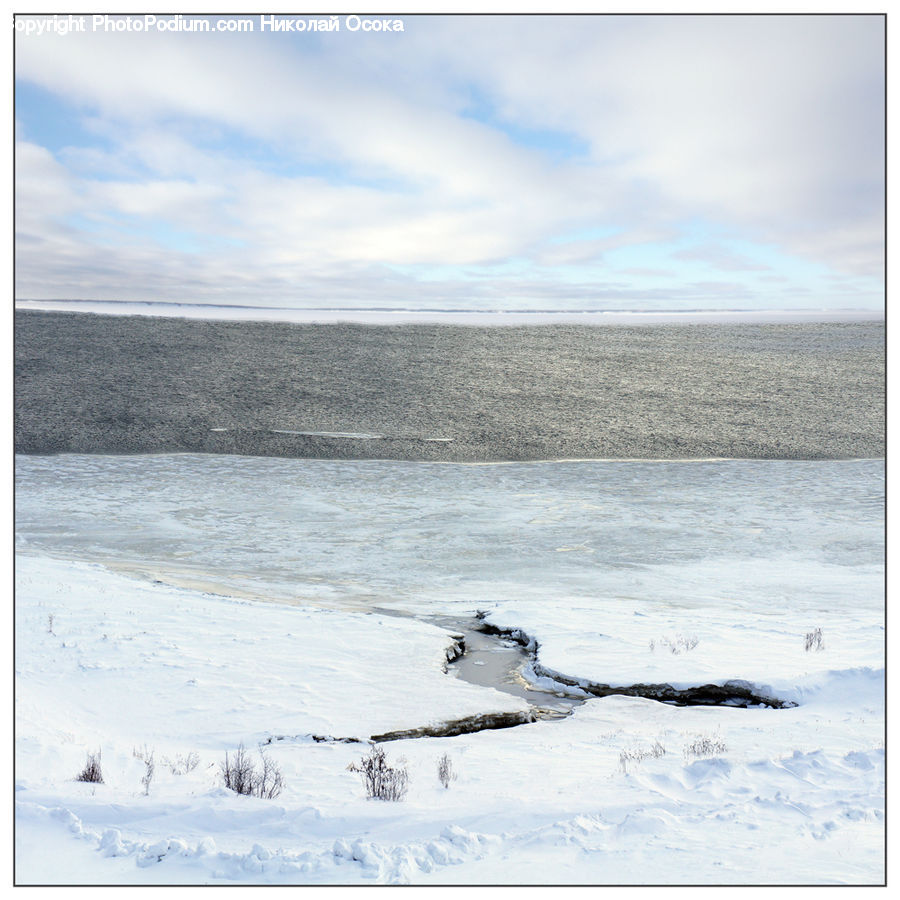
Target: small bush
point(181, 765)
point(814, 640)
point(237, 771)
point(142, 755)
point(91, 771)
point(704, 746)
point(676, 645)
point(383, 782)
point(149, 770)
point(269, 783)
point(445, 771)
point(639, 754)
point(241, 776)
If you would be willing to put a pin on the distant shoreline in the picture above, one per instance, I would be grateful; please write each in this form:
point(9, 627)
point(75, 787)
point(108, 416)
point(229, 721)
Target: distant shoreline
point(88, 383)
point(476, 318)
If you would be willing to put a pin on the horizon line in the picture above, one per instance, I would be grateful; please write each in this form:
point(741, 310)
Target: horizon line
point(520, 310)
point(389, 316)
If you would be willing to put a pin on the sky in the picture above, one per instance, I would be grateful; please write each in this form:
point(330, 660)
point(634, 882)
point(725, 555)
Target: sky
point(467, 162)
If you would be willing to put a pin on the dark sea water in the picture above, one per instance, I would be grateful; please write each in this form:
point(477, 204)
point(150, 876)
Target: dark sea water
point(128, 384)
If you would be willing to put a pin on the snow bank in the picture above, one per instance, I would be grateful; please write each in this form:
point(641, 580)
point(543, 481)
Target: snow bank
point(782, 796)
point(714, 635)
point(151, 663)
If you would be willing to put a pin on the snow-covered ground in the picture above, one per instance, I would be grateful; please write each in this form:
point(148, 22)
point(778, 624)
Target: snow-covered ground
point(180, 605)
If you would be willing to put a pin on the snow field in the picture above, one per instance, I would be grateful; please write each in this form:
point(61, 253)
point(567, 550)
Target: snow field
point(212, 669)
point(718, 632)
point(796, 796)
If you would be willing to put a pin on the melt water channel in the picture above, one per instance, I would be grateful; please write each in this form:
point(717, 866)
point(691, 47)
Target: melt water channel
point(496, 661)
point(490, 660)
point(481, 654)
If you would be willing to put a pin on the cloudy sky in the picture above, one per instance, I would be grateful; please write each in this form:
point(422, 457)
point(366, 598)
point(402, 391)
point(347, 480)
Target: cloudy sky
point(495, 162)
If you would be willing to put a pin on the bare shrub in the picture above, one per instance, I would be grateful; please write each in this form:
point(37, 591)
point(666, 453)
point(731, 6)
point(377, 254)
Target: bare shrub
point(237, 771)
point(383, 782)
point(639, 754)
point(181, 765)
point(91, 771)
point(705, 746)
point(142, 755)
point(149, 769)
point(269, 782)
point(50, 619)
point(146, 757)
point(814, 640)
point(445, 771)
point(676, 645)
point(241, 776)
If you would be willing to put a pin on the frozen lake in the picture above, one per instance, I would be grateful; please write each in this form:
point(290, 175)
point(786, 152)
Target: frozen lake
point(444, 538)
point(595, 558)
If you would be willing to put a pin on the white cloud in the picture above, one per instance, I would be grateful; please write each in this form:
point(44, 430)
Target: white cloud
point(771, 124)
point(720, 257)
point(767, 127)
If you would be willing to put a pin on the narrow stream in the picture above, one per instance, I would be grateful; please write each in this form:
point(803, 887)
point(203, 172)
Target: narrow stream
point(495, 661)
point(488, 660)
point(485, 655)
